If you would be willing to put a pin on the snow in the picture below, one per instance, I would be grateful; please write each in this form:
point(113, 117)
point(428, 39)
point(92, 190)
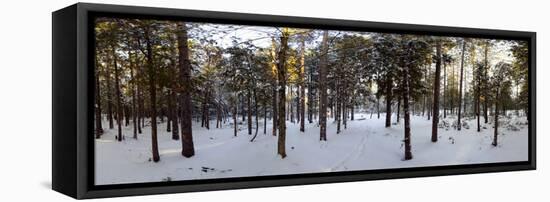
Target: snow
point(365, 145)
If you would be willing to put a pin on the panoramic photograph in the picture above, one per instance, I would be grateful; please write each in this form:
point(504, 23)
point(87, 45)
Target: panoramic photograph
point(177, 101)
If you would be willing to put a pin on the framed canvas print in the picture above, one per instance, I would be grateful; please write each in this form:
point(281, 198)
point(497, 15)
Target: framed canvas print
point(156, 100)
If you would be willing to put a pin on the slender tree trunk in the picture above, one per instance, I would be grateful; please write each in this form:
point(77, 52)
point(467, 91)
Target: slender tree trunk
point(323, 87)
point(265, 117)
point(169, 114)
point(485, 86)
point(109, 98)
point(291, 104)
point(495, 142)
point(302, 100)
point(153, 99)
point(140, 107)
point(281, 73)
point(249, 112)
point(235, 110)
point(388, 101)
point(275, 84)
point(118, 95)
point(274, 111)
point(126, 114)
point(478, 99)
point(345, 112)
point(188, 149)
point(445, 96)
point(134, 97)
point(406, 94)
point(98, 127)
point(256, 115)
point(310, 99)
point(175, 119)
point(378, 107)
point(435, 118)
point(398, 109)
point(459, 125)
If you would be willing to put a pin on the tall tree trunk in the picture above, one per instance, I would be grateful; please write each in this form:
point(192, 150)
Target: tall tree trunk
point(291, 104)
point(388, 100)
point(274, 111)
point(435, 118)
point(207, 110)
point(134, 97)
point(495, 142)
point(235, 111)
point(281, 72)
point(302, 100)
point(398, 109)
point(256, 115)
point(265, 117)
point(338, 104)
point(118, 95)
point(378, 107)
point(406, 94)
point(169, 113)
point(478, 98)
point(323, 71)
point(274, 84)
point(140, 107)
point(249, 112)
point(98, 127)
point(459, 125)
point(175, 119)
point(310, 99)
point(153, 101)
point(126, 114)
point(109, 98)
point(188, 149)
point(485, 86)
point(445, 93)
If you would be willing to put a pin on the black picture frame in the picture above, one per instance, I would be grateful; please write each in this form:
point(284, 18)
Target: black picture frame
point(72, 98)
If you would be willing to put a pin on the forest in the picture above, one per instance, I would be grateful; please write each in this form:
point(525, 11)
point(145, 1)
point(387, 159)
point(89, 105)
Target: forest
point(184, 100)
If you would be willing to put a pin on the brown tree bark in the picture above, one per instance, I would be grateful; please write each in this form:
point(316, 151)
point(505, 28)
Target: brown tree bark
point(485, 86)
point(188, 149)
point(435, 118)
point(281, 72)
point(152, 95)
point(109, 98)
point(118, 95)
point(495, 142)
point(134, 91)
point(459, 125)
point(256, 115)
point(388, 100)
point(302, 100)
point(175, 119)
point(169, 113)
point(445, 96)
point(98, 126)
point(140, 107)
point(406, 94)
point(249, 112)
point(235, 110)
point(275, 84)
point(323, 87)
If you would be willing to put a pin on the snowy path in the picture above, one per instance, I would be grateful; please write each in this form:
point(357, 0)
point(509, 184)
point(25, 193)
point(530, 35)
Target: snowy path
point(365, 144)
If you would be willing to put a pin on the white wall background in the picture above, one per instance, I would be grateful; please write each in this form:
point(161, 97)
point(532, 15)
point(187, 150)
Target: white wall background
point(25, 99)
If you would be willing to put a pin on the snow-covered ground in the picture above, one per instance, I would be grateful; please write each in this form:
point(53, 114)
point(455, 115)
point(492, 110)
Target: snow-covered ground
point(365, 145)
